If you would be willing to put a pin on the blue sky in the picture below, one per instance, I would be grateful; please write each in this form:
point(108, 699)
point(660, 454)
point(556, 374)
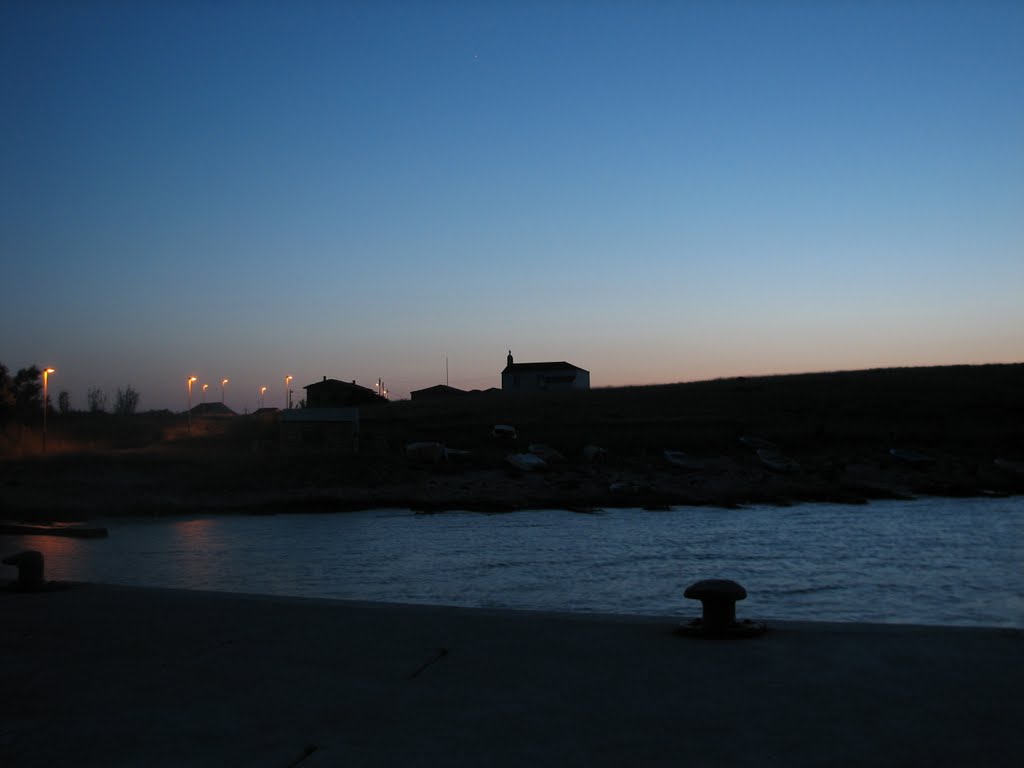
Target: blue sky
point(654, 191)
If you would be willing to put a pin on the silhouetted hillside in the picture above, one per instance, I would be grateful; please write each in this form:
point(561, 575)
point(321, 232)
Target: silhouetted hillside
point(847, 436)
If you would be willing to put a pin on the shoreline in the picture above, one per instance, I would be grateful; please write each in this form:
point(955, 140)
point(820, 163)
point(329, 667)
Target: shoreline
point(327, 502)
point(78, 487)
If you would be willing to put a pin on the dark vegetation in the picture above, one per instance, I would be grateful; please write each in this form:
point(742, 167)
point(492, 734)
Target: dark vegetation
point(840, 427)
point(976, 410)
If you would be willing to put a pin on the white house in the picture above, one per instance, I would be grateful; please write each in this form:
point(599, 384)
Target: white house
point(543, 377)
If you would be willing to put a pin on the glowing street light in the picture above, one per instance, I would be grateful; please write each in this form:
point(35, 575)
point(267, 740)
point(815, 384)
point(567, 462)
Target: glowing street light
point(263, 391)
point(191, 381)
point(222, 384)
point(287, 392)
point(205, 386)
point(46, 400)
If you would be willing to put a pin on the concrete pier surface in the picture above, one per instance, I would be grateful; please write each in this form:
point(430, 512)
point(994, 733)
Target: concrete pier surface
point(117, 676)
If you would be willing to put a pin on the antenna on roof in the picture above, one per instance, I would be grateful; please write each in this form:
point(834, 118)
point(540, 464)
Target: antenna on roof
point(446, 370)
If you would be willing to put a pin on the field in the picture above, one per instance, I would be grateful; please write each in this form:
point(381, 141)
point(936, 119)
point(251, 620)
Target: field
point(847, 436)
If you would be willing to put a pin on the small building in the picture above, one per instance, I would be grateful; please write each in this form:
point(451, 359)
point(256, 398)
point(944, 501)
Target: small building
point(437, 392)
point(331, 393)
point(308, 430)
point(543, 377)
point(212, 411)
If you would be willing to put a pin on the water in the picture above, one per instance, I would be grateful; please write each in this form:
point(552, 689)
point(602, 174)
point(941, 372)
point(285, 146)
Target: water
point(928, 561)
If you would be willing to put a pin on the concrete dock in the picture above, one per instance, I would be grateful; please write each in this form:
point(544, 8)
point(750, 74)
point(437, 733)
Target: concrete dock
point(115, 676)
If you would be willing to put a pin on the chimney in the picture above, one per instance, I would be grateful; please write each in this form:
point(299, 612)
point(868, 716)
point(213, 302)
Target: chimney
point(325, 378)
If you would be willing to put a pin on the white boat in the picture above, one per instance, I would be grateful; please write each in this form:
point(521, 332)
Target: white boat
point(910, 456)
point(776, 462)
point(503, 432)
point(683, 460)
point(426, 452)
point(527, 462)
point(1009, 465)
point(755, 442)
point(546, 452)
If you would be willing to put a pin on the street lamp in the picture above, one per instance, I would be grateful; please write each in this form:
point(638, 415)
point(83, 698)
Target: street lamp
point(223, 382)
point(287, 392)
point(191, 381)
point(205, 386)
point(263, 391)
point(46, 401)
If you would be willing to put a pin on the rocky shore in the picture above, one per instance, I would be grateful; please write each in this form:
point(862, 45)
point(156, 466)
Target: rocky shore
point(87, 487)
point(843, 437)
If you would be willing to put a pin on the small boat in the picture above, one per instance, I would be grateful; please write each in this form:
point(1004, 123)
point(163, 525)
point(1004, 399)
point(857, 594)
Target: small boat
point(683, 460)
point(1009, 465)
point(910, 456)
point(546, 452)
point(74, 531)
point(426, 452)
point(527, 462)
point(503, 432)
point(628, 488)
point(776, 462)
point(755, 442)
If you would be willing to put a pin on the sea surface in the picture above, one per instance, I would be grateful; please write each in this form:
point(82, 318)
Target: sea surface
point(927, 561)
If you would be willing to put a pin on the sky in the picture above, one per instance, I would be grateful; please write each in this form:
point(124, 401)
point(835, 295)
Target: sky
point(653, 191)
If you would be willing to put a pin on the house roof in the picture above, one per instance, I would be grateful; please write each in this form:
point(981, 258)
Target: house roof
point(540, 367)
point(336, 384)
point(212, 409)
point(438, 390)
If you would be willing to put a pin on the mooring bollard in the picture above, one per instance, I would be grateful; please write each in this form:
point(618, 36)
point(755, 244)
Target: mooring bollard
point(718, 599)
point(30, 570)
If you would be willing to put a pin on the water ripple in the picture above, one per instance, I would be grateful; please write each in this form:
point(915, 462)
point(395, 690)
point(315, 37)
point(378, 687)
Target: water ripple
point(932, 561)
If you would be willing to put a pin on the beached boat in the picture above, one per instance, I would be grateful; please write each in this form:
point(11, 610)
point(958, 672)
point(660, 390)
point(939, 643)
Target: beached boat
point(546, 452)
point(426, 452)
point(910, 456)
point(527, 462)
point(776, 462)
point(756, 442)
point(683, 460)
point(1009, 465)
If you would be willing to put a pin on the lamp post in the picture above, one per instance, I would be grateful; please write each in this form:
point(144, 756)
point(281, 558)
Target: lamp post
point(46, 401)
point(287, 392)
point(205, 387)
point(263, 391)
point(191, 380)
point(222, 383)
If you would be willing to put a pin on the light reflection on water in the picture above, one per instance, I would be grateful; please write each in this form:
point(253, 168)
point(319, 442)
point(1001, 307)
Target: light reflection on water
point(930, 561)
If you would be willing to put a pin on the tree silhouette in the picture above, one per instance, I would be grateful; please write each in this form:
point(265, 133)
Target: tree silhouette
point(126, 402)
point(97, 400)
point(20, 397)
